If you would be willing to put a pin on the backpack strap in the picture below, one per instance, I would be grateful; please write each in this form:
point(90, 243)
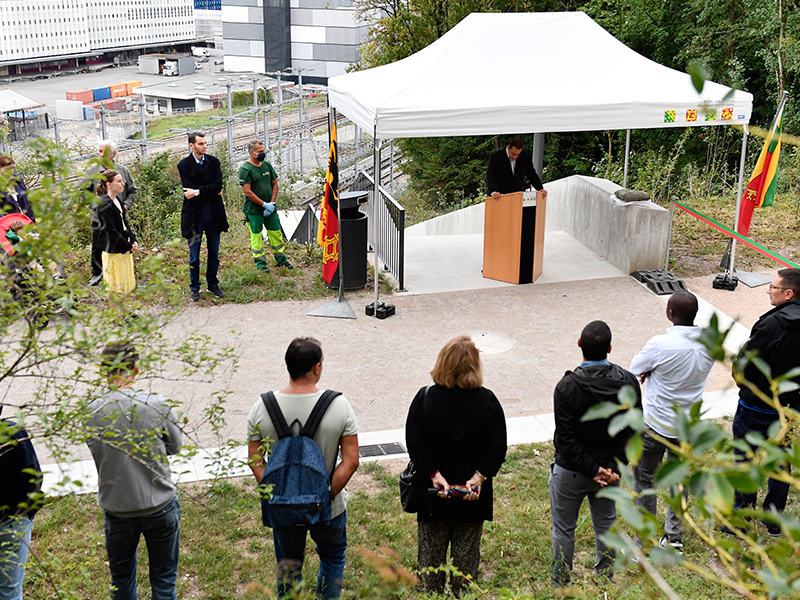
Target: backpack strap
point(278, 420)
point(314, 419)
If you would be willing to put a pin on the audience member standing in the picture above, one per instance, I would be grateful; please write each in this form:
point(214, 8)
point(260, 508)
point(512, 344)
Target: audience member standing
point(131, 433)
point(115, 236)
point(675, 365)
point(586, 455)
point(456, 436)
point(337, 431)
point(20, 498)
point(203, 212)
point(14, 192)
point(107, 151)
point(775, 338)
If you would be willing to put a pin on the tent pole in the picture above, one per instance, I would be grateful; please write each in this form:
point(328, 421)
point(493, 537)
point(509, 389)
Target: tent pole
point(538, 154)
point(627, 155)
point(376, 179)
point(730, 269)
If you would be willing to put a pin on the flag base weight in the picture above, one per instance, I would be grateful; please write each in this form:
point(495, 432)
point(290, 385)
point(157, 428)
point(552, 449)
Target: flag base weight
point(338, 308)
point(384, 310)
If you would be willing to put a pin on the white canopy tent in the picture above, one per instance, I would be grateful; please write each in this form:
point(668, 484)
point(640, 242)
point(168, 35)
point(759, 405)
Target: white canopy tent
point(504, 73)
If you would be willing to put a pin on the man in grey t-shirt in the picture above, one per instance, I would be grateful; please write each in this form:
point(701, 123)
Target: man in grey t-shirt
point(338, 429)
point(130, 435)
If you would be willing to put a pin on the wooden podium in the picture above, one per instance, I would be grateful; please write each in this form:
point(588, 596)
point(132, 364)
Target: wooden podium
point(513, 238)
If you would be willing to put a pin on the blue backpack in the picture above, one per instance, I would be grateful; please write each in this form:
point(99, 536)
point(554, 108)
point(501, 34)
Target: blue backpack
point(300, 483)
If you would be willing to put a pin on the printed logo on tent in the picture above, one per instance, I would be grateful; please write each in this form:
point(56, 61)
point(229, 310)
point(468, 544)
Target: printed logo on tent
point(669, 116)
point(711, 115)
point(691, 115)
point(727, 114)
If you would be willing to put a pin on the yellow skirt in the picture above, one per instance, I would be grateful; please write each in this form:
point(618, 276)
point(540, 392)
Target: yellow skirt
point(118, 272)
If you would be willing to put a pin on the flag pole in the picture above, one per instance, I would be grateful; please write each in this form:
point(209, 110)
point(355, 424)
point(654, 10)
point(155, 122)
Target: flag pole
point(338, 307)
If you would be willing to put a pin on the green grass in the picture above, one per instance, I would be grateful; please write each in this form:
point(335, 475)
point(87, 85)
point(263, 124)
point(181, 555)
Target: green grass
point(226, 553)
point(160, 127)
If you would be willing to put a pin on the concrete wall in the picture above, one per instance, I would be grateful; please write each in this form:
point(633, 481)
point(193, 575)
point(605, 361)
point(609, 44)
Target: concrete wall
point(631, 236)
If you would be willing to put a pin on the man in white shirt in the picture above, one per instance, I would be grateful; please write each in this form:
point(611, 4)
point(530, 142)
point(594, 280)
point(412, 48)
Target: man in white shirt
point(675, 365)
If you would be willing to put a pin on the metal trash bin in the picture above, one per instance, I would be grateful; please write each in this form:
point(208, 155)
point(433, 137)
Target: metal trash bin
point(352, 241)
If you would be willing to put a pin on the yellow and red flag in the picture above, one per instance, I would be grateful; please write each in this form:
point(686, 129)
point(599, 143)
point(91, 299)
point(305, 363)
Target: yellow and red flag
point(761, 189)
point(328, 232)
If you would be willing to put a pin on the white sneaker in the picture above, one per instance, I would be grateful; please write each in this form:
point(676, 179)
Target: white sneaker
point(676, 544)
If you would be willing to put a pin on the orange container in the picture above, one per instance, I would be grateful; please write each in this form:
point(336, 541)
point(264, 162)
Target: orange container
point(81, 95)
point(118, 90)
point(131, 85)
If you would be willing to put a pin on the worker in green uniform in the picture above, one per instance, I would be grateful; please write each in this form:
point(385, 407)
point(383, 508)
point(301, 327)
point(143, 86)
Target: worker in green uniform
point(260, 185)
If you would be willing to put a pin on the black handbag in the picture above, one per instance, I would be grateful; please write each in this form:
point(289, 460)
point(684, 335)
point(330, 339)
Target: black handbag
point(413, 489)
point(410, 491)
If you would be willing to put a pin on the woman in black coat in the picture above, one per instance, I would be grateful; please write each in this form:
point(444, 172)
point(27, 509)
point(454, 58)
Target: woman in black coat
point(116, 236)
point(456, 436)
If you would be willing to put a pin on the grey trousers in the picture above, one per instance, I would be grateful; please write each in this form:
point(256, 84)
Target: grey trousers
point(567, 491)
point(643, 480)
point(464, 539)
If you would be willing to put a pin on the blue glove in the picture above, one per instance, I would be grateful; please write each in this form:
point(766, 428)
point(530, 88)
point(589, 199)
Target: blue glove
point(269, 208)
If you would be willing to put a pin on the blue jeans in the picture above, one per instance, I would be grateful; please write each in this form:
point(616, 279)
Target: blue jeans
point(15, 541)
point(162, 533)
point(290, 545)
point(777, 491)
point(212, 266)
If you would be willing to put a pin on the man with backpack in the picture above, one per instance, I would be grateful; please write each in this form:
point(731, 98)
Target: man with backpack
point(282, 425)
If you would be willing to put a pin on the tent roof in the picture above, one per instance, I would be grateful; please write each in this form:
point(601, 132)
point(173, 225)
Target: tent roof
point(11, 101)
point(503, 73)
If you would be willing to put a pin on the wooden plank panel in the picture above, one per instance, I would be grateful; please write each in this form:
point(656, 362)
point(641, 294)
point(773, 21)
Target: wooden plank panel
point(538, 240)
point(502, 234)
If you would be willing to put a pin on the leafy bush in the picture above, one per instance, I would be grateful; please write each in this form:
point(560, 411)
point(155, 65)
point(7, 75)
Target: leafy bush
point(156, 216)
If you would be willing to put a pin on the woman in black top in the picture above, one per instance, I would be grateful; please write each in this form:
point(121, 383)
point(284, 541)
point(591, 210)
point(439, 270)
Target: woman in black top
point(116, 236)
point(14, 194)
point(456, 436)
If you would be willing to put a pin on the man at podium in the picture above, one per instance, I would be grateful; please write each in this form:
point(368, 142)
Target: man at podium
point(511, 170)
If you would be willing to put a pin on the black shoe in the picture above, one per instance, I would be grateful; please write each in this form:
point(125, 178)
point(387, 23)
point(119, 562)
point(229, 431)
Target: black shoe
point(286, 264)
point(216, 291)
point(95, 280)
point(263, 268)
point(195, 296)
point(772, 529)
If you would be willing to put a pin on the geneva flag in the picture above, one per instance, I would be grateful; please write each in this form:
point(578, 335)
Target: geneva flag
point(328, 232)
point(761, 189)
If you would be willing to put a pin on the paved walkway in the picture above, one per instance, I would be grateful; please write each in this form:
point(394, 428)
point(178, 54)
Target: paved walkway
point(527, 335)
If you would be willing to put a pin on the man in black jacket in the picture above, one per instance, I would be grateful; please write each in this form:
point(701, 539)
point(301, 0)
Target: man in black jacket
point(775, 339)
point(586, 455)
point(203, 211)
point(511, 170)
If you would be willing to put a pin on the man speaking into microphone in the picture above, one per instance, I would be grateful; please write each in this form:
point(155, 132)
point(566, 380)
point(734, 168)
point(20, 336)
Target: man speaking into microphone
point(511, 170)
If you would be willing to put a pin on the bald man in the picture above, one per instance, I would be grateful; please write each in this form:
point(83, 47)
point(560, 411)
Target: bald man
point(675, 366)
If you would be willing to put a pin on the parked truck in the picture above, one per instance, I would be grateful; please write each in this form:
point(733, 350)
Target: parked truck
point(170, 68)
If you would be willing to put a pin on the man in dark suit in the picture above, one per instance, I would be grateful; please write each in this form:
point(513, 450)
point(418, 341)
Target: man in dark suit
point(511, 170)
point(203, 211)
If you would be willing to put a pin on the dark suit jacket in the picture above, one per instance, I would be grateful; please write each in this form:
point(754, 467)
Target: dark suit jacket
point(499, 177)
point(116, 235)
point(22, 204)
point(209, 182)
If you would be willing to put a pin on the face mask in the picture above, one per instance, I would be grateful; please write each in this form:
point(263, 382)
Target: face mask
point(261, 157)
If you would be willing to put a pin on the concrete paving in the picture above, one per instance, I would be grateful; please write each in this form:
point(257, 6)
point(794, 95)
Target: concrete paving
point(528, 337)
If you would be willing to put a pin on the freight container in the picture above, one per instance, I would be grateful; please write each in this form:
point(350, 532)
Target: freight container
point(101, 93)
point(118, 90)
point(89, 112)
point(81, 95)
point(69, 110)
point(131, 85)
